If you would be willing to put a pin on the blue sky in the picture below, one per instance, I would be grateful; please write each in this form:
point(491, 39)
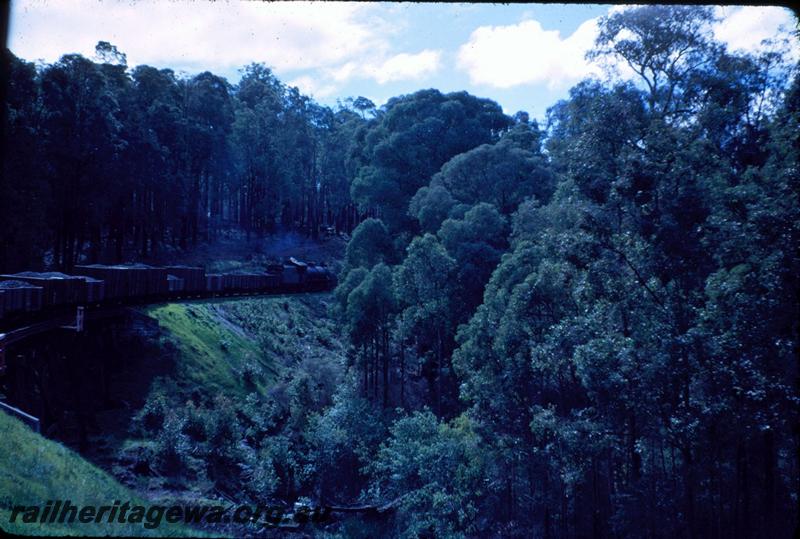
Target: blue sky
point(524, 56)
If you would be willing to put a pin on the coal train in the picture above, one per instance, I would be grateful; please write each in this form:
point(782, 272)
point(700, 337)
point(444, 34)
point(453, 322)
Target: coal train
point(23, 295)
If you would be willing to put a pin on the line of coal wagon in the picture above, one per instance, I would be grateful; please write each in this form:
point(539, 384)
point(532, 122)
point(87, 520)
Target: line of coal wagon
point(27, 293)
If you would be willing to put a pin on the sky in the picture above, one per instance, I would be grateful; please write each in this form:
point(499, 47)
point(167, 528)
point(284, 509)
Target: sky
point(524, 56)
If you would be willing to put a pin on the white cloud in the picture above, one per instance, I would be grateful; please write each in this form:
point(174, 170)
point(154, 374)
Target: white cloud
point(330, 43)
point(405, 66)
point(401, 66)
point(744, 28)
point(323, 46)
point(199, 35)
point(342, 73)
point(313, 87)
point(526, 53)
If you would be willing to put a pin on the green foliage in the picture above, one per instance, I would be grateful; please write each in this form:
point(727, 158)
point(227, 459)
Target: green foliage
point(345, 287)
point(263, 481)
point(502, 174)
point(35, 470)
point(407, 144)
point(430, 206)
point(251, 436)
point(433, 472)
point(370, 245)
point(663, 45)
point(172, 445)
point(222, 427)
point(642, 313)
point(151, 417)
point(194, 422)
point(211, 354)
point(344, 439)
point(370, 304)
point(190, 158)
point(424, 286)
point(476, 242)
point(250, 374)
point(424, 280)
point(601, 315)
point(21, 243)
point(590, 133)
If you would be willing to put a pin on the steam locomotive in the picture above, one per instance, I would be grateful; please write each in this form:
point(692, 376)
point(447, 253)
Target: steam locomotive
point(24, 294)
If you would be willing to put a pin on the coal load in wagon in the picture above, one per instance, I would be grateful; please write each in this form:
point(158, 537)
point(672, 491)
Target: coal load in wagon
point(194, 279)
point(120, 282)
point(117, 280)
point(175, 284)
point(255, 281)
point(214, 282)
point(95, 289)
point(316, 274)
point(150, 281)
point(57, 288)
point(246, 281)
point(85, 290)
point(21, 296)
point(272, 280)
point(230, 281)
point(261, 281)
point(128, 281)
point(290, 275)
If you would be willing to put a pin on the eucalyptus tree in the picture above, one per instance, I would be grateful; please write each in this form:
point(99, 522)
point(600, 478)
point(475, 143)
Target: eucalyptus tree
point(371, 307)
point(338, 132)
point(476, 242)
point(664, 46)
point(424, 285)
point(207, 107)
point(255, 136)
point(410, 141)
point(83, 134)
point(503, 174)
point(22, 172)
point(156, 122)
point(371, 244)
point(431, 205)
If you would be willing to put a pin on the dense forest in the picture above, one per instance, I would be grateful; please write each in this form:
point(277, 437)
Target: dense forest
point(584, 328)
point(112, 163)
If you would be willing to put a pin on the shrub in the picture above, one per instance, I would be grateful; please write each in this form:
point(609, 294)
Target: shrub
point(151, 417)
point(223, 434)
point(250, 372)
point(194, 425)
point(172, 446)
point(262, 479)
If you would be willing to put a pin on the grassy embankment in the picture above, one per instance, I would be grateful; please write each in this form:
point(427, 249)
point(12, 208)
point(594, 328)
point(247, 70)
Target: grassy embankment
point(212, 353)
point(241, 346)
point(216, 344)
point(34, 470)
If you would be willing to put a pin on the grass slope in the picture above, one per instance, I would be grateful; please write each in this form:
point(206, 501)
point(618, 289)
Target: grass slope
point(211, 342)
point(217, 340)
point(34, 470)
point(212, 353)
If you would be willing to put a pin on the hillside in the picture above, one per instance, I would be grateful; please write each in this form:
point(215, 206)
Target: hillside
point(35, 469)
point(228, 372)
point(573, 323)
point(206, 384)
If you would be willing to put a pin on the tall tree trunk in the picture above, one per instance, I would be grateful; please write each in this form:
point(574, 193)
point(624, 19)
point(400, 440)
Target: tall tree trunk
point(402, 373)
point(385, 353)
